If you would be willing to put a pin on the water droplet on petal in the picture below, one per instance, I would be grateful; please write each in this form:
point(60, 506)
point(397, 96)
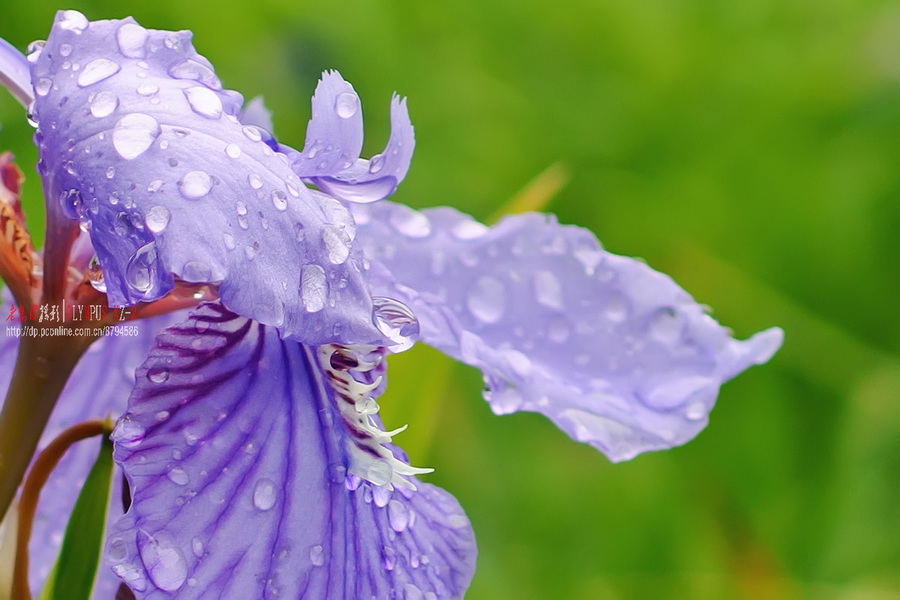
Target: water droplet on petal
point(337, 243)
point(197, 547)
point(97, 70)
point(72, 20)
point(379, 472)
point(313, 288)
point(233, 151)
point(388, 558)
point(254, 181)
point(131, 575)
point(410, 222)
point(195, 184)
point(158, 374)
point(264, 494)
point(468, 229)
point(157, 218)
point(164, 564)
point(147, 89)
point(177, 476)
point(194, 71)
point(486, 299)
point(279, 199)
point(666, 325)
point(412, 592)
point(617, 308)
point(376, 163)
point(396, 321)
point(33, 52)
point(317, 555)
point(42, 87)
point(131, 38)
point(95, 275)
point(252, 133)
point(398, 515)
point(548, 290)
point(103, 104)
point(140, 271)
point(204, 102)
point(195, 271)
point(134, 134)
point(128, 432)
point(346, 105)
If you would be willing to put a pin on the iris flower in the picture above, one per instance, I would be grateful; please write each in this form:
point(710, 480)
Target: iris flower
point(249, 433)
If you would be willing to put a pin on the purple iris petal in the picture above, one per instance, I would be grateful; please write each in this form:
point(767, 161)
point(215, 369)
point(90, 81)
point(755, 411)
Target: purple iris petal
point(99, 387)
point(14, 74)
point(238, 447)
point(330, 158)
point(615, 353)
point(139, 141)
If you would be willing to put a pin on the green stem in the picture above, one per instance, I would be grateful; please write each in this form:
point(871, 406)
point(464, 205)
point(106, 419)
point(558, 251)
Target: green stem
point(42, 368)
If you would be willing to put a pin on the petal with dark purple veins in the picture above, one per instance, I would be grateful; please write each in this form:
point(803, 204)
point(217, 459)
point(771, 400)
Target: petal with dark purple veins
point(237, 447)
point(615, 353)
point(99, 386)
point(140, 142)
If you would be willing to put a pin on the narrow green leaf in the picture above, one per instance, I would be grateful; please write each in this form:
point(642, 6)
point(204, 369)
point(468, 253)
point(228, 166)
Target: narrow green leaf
point(73, 575)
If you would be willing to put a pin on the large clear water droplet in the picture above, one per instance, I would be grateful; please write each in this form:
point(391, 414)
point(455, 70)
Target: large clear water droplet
point(95, 275)
point(264, 494)
point(195, 184)
point(97, 70)
point(131, 38)
point(486, 299)
point(157, 218)
point(165, 565)
point(140, 271)
point(104, 103)
point(33, 52)
point(158, 374)
point(468, 229)
point(192, 70)
point(279, 199)
point(346, 105)
point(337, 243)
point(134, 134)
point(313, 288)
point(42, 86)
point(72, 20)
point(204, 102)
point(128, 432)
point(178, 476)
point(398, 516)
point(396, 321)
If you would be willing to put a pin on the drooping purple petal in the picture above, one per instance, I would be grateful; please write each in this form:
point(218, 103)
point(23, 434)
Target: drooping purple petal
point(14, 74)
point(99, 387)
point(615, 353)
point(237, 445)
point(140, 142)
point(330, 158)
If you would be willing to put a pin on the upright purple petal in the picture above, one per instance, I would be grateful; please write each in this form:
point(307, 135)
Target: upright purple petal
point(99, 387)
point(239, 447)
point(139, 141)
point(330, 158)
point(615, 353)
point(14, 74)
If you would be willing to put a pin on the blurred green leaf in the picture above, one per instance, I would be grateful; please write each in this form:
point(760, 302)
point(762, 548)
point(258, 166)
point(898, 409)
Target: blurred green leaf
point(73, 575)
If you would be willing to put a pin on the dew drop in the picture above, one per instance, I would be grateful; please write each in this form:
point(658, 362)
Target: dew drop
point(197, 547)
point(147, 89)
point(103, 105)
point(157, 218)
point(72, 20)
point(233, 151)
point(337, 243)
point(97, 70)
point(229, 241)
point(337, 473)
point(158, 374)
point(134, 134)
point(279, 199)
point(95, 275)
point(507, 401)
point(128, 432)
point(131, 38)
point(376, 163)
point(131, 575)
point(486, 299)
point(398, 515)
point(42, 87)
point(412, 592)
point(65, 50)
point(252, 133)
point(410, 222)
point(177, 476)
point(396, 321)
point(317, 555)
point(313, 288)
point(254, 181)
point(548, 290)
point(194, 71)
point(165, 565)
point(251, 251)
point(195, 271)
point(468, 229)
point(379, 472)
point(195, 184)
point(695, 410)
point(204, 102)
point(346, 105)
point(264, 494)
point(241, 207)
point(139, 272)
point(388, 558)
point(616, 308)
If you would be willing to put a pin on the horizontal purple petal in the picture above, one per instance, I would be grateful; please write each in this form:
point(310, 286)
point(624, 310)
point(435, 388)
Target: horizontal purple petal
point(615, 353)
point(140, 142)
point(14, 73)
point(239, 447)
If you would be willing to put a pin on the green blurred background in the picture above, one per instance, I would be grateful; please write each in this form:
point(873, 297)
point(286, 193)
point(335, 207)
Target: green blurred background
point(749, 148)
